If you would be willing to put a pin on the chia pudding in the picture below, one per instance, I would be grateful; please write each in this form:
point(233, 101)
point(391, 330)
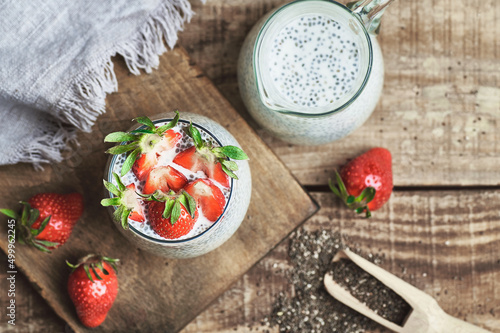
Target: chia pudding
point(206, 234)
point(309, 72)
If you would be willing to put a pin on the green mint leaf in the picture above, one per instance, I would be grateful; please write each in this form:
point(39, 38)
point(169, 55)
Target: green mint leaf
point(229, 172)
point(196, 136)
point(110, 202)
point(176, 212)
point(129, 162)
point(146, 121)
point(111, 188)
point(120, 149)
point(160, 130)
point(119, 182)
point(234, 152)
point(9, 212)
point(120, 137)
point(231, 165)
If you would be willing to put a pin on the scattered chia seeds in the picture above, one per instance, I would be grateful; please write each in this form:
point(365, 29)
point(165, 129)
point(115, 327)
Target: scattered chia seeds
point(310, 308)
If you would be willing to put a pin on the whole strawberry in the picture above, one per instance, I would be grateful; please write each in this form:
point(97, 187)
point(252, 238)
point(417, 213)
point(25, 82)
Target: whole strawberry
point(47, 219)
point(365, 183)
point(173, 215)
point(93, 286)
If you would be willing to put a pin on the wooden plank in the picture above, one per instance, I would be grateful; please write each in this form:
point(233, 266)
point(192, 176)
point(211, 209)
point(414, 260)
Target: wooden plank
point(157, 294)
point(445, 243)
point(441, 102)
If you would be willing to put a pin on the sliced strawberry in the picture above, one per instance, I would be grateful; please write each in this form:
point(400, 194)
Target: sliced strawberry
point(195, 161)
point(147, 161)
point(144, 164)
point(209, 197)
point(133, 200)
point(164, 178)
point(216, 173)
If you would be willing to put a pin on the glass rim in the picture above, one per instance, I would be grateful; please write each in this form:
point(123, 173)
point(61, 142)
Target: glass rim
point(112, 161)
point(256, 67)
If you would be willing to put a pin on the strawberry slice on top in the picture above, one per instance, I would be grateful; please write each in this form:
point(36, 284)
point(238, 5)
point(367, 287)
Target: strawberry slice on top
point(209, 197)
point(164, 178)
point(126, 199)
point(144, 145)
point(213, 161)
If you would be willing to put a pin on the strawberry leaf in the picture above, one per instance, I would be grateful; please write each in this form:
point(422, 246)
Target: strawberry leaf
point(169, 205)
point(333, 188)
point(120, 137)
point(350, 199)
point(176, 212)
point(191, 204)
point(33, 216)
point(120, 149)
point(110, 202)
point(231, 165)
point(111, 188)
point(95, 273)
point(86, 269)
point(117, 214)
point(341, 186)
point(118, 180)
point(40, 247)
point(196, 136)
point(233, 152)
point(99, 265)
point(124, 218)
point(36, 232)
point(160, 130)
point(229, 172)
point(368, 194)
point(146, 121)
point(142, 131)
point(9, 212)
point(129, 162)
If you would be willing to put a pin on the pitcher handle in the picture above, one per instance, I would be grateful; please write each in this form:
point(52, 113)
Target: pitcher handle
point(370, 12)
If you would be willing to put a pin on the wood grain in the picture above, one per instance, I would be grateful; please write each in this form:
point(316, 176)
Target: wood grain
point(440, 105)
point(157, 293)
point(444, 243)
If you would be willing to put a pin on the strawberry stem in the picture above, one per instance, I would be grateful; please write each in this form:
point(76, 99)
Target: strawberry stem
point(359, 203)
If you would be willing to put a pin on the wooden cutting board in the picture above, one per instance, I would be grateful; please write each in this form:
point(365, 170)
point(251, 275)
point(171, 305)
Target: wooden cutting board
point(156, 294)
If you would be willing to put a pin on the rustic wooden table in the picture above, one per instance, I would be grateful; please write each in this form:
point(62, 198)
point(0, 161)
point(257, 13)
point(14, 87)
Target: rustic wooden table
point(439, 116)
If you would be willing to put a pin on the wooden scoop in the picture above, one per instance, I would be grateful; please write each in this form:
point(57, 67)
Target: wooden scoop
point(426, 315)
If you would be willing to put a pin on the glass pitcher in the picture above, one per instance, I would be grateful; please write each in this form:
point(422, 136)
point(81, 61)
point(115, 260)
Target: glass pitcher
point(312, 71)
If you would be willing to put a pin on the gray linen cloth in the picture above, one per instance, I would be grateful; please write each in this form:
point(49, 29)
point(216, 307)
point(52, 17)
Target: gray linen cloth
point(56, 69)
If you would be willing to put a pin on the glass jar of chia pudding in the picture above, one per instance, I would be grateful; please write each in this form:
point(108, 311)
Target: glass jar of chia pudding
point(206, 235)
point(312, 71)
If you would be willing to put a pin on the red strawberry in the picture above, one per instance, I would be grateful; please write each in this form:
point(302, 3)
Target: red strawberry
point(367, 179)
point(93, 286)
point(47, 219)
point(193, 160)
point(209, 197)
point(164, 178)
point(137, 213)
point(172, 219)
point(148, 160)
point(127, 201)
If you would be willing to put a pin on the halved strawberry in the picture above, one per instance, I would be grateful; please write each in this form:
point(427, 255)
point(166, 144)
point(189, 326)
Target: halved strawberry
point(144, 145)
point(126, 199)
point(175, 217)
point(137, 213)
point(209, 197)
point(213, 161)
point(164, 178)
